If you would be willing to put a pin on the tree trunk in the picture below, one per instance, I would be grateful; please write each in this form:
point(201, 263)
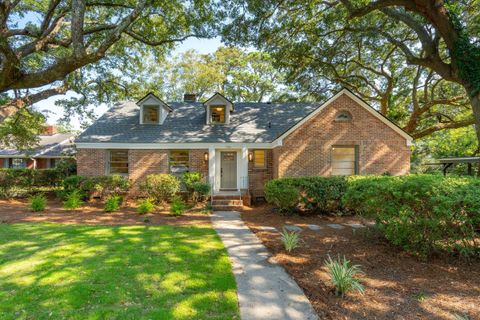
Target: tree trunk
point(475, 101)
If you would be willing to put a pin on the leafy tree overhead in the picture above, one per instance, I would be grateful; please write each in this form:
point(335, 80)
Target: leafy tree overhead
point(438, 39)
point(43, 43)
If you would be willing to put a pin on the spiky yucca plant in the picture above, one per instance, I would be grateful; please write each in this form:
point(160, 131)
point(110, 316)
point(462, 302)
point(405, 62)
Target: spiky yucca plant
point(290, 240)
point(344, 276)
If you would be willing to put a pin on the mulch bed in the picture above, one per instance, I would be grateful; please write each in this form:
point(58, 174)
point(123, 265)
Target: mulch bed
point(15, 211)
point(398, 285)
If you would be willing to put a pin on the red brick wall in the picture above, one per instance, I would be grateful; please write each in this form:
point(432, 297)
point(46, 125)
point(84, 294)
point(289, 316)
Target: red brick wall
point(307, 150)
point(42, 163)
point(257, 177)
point(91, 162)
point(198, 163)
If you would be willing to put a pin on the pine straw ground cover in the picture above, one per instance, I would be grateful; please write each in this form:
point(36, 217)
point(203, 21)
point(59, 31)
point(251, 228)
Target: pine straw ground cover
point(144, 271)
point(397, 285)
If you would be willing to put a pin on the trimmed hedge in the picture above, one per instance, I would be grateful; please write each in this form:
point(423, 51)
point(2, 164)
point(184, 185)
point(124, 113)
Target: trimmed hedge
point(421, 213)
point(102, 186)
point(321, 194)
point(13, 180)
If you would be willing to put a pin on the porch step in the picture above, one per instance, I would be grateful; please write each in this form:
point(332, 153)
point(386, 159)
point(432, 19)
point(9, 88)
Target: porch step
point(226, 208)
point(227, 202)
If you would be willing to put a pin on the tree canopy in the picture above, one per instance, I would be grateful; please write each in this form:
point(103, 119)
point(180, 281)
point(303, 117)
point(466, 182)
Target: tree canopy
point(379, 48)
point(43, 43)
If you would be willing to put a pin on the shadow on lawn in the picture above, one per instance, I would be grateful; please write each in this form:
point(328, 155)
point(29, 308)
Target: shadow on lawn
point(59, 271)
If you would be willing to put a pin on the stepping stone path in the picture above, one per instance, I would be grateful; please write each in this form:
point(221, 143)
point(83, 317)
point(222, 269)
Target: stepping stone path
point(335, 226)
point(292, 228)
point(314, 227)
point(356, 225)
point(271, 229)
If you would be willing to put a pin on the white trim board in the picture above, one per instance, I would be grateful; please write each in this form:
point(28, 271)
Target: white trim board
point(359, 101)
point(176, 145)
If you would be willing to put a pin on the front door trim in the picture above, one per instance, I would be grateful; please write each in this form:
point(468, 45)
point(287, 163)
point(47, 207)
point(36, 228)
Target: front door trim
point(228, 170)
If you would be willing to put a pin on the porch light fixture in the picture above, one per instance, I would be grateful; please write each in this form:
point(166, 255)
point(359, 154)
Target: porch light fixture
point(205, 156)
point(250, 156)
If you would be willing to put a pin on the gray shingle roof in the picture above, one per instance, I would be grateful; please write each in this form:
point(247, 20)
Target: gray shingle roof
point(48, 146)
point(249, 123)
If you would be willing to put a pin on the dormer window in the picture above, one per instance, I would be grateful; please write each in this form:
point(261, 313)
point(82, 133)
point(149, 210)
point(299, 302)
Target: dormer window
point(218, 109)
point(151, 114)
point(218, 114)
point(152, 110)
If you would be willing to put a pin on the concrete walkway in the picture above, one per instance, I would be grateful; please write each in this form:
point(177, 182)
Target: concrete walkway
point(265, 290)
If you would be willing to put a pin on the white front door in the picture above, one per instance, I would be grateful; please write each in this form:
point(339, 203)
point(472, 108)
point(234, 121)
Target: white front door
point(228, 170)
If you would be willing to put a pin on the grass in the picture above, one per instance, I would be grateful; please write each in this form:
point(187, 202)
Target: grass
point(53, 271)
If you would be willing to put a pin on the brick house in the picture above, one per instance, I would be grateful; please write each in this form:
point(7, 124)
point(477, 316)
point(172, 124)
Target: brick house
point(52, 147)
point(240, 146)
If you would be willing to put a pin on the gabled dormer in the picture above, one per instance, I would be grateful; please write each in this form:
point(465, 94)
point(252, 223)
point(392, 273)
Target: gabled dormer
point(218, 109)
point(152, 109)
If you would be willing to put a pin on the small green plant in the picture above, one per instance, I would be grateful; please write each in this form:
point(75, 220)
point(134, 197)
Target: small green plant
point(461, 316)
point(38, 203)
point(112, 203)
point(344, 276)
point(290, 240)
point(177, 207)
point(145, 206)
point(420, 296)
point(190, 178)
point(200, 191)
point(73, 200)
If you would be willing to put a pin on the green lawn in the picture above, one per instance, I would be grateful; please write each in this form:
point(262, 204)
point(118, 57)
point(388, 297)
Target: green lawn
point(53, 271)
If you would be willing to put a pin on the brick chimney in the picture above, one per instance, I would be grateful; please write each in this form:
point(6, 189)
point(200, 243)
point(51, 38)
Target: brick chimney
point(189, 97)
point(49, 130)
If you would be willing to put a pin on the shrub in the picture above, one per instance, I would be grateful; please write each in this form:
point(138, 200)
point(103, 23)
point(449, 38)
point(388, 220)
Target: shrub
point(73, 200)
point(343, 275)
point(113, 203)
point(103, 186)
point(145, 206)
point(177, 207)
point(314, 193)
point(284, 196)
point(12, 181)
point(200, 191)
point(421, 213)
point(160, 187)
point(190, 178)
point(38, 203)
point(290, 240)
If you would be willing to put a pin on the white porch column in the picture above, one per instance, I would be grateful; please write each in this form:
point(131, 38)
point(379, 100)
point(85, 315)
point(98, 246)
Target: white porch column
point(211, 167)
point(243, 165)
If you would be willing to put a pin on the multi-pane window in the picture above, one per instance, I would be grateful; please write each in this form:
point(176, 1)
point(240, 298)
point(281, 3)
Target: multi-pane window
point(179, 161)
point(150, 114)
point(18, 163)
point(217, 114)
point(344, 160)
point(118, 163)
point(259, 159)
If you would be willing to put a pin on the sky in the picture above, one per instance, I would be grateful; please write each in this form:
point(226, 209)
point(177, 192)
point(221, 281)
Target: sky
point(203, 46)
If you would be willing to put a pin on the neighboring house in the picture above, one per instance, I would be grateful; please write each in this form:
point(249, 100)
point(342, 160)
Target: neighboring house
point(52, 147)
point(240, 146)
